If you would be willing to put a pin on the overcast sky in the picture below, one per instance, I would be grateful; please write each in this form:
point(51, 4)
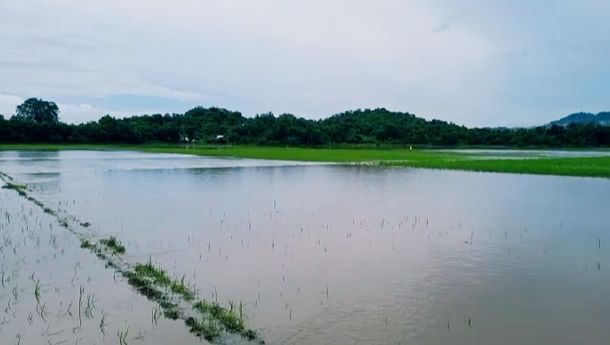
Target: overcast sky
point(473, 62)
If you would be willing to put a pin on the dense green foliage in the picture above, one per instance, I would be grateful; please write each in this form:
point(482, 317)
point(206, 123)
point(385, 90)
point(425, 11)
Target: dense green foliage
point(38, 111)
point(214, 125)
point(582, 118)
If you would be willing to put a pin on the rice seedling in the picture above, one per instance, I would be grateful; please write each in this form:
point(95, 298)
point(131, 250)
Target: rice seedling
point(103, 322)
point(122, 334)
point(80, 306)
point(37, 291)
point(156, 314)
point(90, 306)
point(69, 309)
point(42, 311)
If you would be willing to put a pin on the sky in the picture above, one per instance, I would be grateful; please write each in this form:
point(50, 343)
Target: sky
point(471, 62)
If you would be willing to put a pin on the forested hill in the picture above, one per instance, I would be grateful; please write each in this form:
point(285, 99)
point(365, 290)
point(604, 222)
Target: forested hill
point(36, 122)
point(602, 119)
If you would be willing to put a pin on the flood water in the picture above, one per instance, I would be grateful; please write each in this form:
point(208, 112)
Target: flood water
point(318, 254)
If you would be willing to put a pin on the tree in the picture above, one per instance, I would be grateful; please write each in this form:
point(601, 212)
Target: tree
point(38, 110)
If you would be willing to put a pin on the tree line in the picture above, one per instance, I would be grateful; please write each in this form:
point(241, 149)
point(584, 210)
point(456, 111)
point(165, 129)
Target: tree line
point(37, 121)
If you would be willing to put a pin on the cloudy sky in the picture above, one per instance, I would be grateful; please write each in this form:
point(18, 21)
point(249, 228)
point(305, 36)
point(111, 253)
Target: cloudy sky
point(473, 62)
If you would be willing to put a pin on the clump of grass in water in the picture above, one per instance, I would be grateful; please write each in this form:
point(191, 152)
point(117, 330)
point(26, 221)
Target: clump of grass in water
point(179, 288)
point(156, 274)
point(37, 202)
point(207, 329)
point(113, 244)
point(21, 189)
point(144, 286)
point(151, 281)
point(231, 319)
point(170, 310)
point(159, 277)
point(86, 244)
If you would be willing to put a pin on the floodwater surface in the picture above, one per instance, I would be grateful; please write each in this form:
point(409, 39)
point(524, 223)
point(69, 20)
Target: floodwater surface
point(521, 154)
point(318, 254)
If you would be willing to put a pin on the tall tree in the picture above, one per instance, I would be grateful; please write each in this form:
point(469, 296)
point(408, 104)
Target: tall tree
point(38, 110)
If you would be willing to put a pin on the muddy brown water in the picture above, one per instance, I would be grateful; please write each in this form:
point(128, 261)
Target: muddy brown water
point(318, 254)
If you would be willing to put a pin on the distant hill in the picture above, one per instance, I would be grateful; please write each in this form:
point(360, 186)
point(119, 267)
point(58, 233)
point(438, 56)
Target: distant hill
point(602, 119)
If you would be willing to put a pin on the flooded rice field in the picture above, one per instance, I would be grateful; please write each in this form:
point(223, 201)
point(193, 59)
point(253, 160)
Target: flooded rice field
point(312, 254)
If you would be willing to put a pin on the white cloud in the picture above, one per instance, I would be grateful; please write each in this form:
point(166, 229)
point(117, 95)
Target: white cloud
point(455, 60)
point(70, 113)
point(8, 104)
point(81, 113)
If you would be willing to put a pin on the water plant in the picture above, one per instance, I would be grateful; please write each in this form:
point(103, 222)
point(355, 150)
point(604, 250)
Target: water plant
point(90, 306)
point(228, 318)
point(37, 291)
point(206, 328)
point(81, 291)
point(21, 189)
point(86, 244)
point(113, 244)
point(122, 334)
point(103, 322)
point(157, 276)
point(155, 315)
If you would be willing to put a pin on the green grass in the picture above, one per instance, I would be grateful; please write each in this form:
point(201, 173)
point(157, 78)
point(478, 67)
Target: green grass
point(580, 166)
point(154, 273)
point(21, 189)
point(433, 159)
point(113, 244)
point(207, 329)
point(151, 280)
point(391, 157)
point(159, 277)
point(228, 317)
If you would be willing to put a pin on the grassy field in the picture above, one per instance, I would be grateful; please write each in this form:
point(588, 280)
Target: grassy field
point(578, 166)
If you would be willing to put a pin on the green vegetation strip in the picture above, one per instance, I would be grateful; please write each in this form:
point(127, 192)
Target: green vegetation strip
point(19, 188)
point(178, 301)
point(392, 157)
